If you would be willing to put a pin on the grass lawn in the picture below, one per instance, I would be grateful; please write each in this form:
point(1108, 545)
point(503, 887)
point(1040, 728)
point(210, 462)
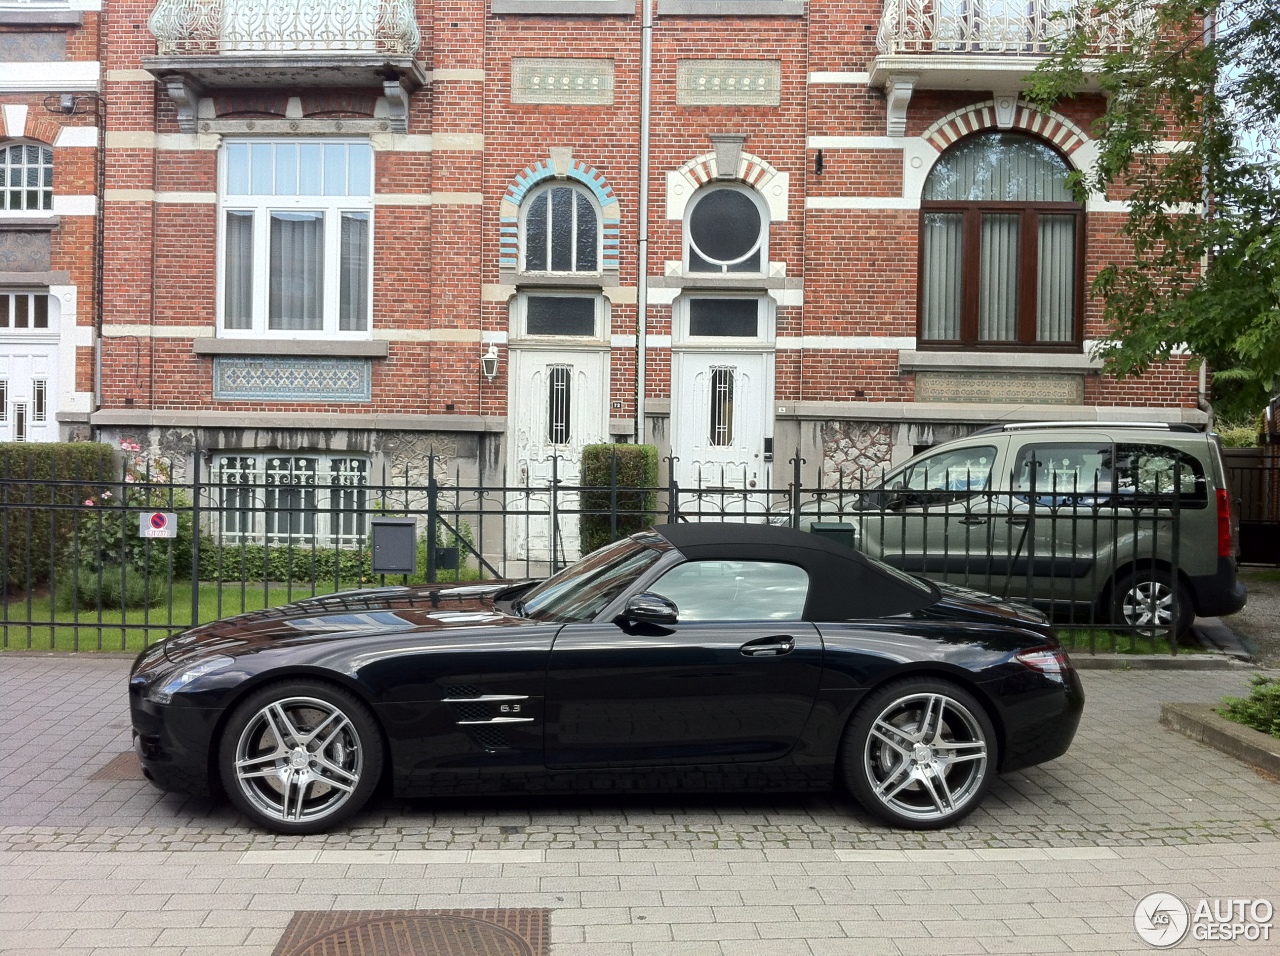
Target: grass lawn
point(1119, 642)
point(137, 627)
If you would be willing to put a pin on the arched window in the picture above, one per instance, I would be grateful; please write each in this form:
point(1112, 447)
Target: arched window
point(561, 231)
point(1001, 247)
point(726, 230)
point(26, 176)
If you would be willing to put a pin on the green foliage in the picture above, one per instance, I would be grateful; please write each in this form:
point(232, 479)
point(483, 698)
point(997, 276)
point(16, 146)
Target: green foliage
point(1205, 216)
point(637, 496)
point(284, 562)
point(115, 588)
point(1260, 710)
point(36, 479)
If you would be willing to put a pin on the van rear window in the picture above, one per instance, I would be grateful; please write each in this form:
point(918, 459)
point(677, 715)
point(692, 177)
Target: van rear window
point(1091, 472)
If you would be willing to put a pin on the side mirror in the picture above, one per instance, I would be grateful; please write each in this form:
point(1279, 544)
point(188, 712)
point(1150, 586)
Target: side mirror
point(651, 608)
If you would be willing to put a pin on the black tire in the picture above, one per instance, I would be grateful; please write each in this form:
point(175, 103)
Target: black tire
point(322, 772)
point(913, 776)
point(1146, 600)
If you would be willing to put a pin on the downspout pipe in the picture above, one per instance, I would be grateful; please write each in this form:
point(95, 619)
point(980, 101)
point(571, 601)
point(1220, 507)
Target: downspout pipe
point(642, 227)
point(1206, 212)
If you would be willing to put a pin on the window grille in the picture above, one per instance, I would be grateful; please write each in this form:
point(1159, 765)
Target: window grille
point(559, 401)
point(4, 401)
point(348, 499)
point(293, 499)
point(722, 405)
point(20, 421)
point(39, 410)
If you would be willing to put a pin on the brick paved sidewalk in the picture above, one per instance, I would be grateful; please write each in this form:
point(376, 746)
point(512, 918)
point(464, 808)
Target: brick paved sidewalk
point(1053, 862)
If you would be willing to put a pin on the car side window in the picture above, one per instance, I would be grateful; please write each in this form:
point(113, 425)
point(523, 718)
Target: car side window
point(735, 590)
point(1159, 470)
point(1066, 468)
point(947, 476)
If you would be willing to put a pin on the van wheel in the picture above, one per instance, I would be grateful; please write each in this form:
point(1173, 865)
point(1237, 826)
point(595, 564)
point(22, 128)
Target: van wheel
point(1148, 601)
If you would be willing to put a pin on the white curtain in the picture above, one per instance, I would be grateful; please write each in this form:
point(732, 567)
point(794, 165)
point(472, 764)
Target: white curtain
point(1056, 296)
point(353, 296)
point(943, 261)
point(297, 271)
point(238, 289)
point(998, 294)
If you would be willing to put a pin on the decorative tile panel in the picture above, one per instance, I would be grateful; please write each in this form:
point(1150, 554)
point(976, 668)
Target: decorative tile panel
point(1002, 388)
point(272, 379)
point(23, 250)
point(729, 82)
point(33, 47)
point(562, 82)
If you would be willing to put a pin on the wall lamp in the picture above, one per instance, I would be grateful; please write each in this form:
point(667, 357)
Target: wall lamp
point(489, 362)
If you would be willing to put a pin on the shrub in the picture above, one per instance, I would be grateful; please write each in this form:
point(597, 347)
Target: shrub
point(114, 588)
point(34, 480)
point(637, 497)
point(1260, 710)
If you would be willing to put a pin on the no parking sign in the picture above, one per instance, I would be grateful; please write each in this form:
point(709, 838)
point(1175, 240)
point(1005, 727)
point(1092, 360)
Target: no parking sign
point(157, 524)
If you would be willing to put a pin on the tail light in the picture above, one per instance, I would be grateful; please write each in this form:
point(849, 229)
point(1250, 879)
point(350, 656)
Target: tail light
point(1226, 527)
point(1052, 662)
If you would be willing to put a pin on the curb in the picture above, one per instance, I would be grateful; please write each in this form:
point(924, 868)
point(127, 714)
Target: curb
point(1200, 722)
point(1153, 662)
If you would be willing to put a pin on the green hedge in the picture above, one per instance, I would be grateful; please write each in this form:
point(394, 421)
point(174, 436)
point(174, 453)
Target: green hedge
point(1260, 710)
point(637, 469)
point(34, 480)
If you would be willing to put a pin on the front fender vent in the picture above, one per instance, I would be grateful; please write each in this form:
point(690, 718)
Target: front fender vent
point(460, 690)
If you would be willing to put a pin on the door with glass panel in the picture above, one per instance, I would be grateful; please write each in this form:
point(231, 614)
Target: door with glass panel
point(559, 402)
point(28, 368)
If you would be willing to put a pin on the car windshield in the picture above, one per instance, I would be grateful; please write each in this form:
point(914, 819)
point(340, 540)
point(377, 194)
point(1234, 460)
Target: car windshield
point(580, 591)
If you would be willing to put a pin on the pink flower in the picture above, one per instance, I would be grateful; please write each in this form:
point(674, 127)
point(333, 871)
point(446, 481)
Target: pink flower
point(105, 494)
point(88, 502)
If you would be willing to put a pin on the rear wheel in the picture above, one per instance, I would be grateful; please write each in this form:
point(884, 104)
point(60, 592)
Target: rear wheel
point(920, 753)
point(1148, 601)
point(300, 757)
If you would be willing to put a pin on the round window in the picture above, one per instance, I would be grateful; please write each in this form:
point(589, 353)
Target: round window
point(726, 232)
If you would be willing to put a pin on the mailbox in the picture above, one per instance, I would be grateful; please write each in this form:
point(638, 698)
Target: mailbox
point(395, 545)
point(838, 531)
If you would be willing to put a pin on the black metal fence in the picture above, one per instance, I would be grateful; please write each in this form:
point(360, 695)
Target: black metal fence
point(78, 571)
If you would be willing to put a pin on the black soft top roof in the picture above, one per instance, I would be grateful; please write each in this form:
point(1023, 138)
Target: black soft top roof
point(844, 584)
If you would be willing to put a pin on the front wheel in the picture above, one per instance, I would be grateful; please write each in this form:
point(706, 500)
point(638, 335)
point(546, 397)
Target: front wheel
point(300, 757)
point(920, 753)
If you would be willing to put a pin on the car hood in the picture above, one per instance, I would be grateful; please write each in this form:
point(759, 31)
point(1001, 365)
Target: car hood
point(964, 604)
point(350, 615)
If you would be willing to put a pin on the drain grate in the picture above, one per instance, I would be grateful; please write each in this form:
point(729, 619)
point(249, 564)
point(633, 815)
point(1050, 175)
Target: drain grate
point(522, 932)
point(123, 766)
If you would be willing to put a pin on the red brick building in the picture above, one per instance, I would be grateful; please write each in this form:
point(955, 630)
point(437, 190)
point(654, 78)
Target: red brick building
point(49, 162)
point(320, 220)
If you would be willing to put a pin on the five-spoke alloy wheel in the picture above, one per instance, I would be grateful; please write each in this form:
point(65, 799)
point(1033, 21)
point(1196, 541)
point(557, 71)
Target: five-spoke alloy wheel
point(300, 756)
point(920, 753)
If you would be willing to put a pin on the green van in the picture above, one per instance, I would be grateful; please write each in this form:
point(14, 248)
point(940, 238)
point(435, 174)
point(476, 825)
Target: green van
point(1078, 517)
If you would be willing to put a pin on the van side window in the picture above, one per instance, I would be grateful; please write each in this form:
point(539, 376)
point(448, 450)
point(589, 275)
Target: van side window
point(1068, 468)
point(1160, 470)
point(961, 470)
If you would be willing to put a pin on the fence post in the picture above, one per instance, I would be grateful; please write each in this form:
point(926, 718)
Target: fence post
point(1175, 558)
point(555, 511)
point(433, 505)
point(613, 495)
point(673, 491)
point(195, 536)
point(796, 462)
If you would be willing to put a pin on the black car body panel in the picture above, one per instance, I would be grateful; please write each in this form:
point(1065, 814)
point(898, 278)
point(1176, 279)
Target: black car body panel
point(471, 696)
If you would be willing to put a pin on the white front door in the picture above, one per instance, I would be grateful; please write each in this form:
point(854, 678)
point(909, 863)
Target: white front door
point(558, 402)
point(28, 390)
point(720, 405)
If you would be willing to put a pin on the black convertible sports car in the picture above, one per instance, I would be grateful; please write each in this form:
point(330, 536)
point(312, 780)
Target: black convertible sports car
point(692, 656)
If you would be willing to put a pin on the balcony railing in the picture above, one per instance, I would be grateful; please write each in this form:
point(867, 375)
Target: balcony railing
point(266, 27)
point(1026, 27)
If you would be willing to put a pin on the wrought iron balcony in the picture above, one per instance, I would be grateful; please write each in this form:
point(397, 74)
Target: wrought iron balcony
point(995, 26)
point(202, 27)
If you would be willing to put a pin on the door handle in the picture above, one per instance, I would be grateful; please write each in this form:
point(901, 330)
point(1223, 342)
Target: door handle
point(972, 520)
point(769, 646)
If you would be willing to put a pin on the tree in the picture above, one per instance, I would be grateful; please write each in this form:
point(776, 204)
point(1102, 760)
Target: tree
point(1190, 137)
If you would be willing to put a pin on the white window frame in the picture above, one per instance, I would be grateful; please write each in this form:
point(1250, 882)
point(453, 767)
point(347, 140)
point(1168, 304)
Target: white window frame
point(520, 317)
point(332, 207)
point(686, 239)
point(25, 211)
point(766, 327)
point(578, 190)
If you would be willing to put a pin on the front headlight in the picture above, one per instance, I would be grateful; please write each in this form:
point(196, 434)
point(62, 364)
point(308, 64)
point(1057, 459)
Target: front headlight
point(162, 691)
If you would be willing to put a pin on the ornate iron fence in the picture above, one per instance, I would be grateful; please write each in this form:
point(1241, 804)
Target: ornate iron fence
point(76, 571)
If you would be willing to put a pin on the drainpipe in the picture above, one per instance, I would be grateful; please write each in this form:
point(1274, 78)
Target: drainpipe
point(1206, 213)
point(642, 251)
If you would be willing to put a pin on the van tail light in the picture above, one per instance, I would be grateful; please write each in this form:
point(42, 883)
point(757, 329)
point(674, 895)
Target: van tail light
point(1226, 529)
point(1052, 662)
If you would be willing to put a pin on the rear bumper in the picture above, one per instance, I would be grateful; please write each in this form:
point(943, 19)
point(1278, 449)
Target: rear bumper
point(1040, 727)
point(1220, 593)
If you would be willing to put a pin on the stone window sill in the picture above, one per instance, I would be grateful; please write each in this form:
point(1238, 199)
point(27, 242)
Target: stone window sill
point(41, 18)
point(584, 8)
point(731, 8)
point(323, 348)
point(911, 361)
point(592, 280)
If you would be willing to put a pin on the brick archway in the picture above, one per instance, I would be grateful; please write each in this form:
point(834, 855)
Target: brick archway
point(540, 172)
point(1054, 127)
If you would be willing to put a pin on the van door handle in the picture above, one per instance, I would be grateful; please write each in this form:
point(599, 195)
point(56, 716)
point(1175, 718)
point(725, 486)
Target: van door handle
point(769, 646)
point(972, 519)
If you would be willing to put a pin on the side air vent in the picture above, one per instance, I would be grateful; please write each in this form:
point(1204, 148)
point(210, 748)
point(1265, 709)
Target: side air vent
point(473, 711)
point(461, 690)
point(489, 738)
